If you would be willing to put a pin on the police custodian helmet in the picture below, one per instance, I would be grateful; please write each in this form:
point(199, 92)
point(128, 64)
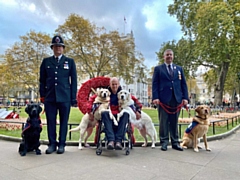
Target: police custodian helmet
point(57, 40)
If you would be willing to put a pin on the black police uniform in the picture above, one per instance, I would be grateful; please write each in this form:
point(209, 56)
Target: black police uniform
point(58, 87)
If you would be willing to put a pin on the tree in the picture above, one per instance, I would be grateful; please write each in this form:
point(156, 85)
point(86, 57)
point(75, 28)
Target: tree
point(183, 54)
point(4, 88)
point(23, 60)
point(98, 52)
point(215, 27)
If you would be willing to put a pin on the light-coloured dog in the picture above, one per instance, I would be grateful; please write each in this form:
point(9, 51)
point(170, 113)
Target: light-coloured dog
point(86, 125)
point(144, 125)
point(191, 139)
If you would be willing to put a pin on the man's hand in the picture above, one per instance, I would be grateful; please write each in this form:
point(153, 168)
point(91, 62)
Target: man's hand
point(185, 102)
point(156, 101)
point(91, 117)
point(42, 99)
point(74, 103)
point(138, 115)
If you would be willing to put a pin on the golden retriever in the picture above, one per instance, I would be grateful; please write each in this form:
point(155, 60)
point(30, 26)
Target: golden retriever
point(197, 129)
point(101, 104)
point(144, 125)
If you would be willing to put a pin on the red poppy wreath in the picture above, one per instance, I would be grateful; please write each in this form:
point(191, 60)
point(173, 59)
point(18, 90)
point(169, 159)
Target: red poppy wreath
point(86, 89)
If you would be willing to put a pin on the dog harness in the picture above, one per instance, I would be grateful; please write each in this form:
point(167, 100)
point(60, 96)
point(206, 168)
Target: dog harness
point(191, 126)
point(95, 106)
point(133, 108)
point(28, 125)
point(201, 118)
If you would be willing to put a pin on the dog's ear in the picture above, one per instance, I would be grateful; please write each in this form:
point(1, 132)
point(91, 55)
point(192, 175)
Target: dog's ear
point(109, 93)
point(99, 92)
point(118, 94)
point(198, 109)
point(128, 96)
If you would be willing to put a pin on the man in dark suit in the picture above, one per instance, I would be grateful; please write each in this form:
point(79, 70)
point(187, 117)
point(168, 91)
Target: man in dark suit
point(169, 93)
point(58, 89)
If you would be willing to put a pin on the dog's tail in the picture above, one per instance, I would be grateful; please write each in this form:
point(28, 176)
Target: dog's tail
point(75, 129)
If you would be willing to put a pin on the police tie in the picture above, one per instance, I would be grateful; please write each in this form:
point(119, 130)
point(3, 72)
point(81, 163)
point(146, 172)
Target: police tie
point(170, 70)
point(57, 60)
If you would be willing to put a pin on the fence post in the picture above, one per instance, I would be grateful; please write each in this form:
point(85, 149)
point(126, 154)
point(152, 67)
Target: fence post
point(23, 126)
point(182, 113)
point(180, 130)
point(70, 134)
point(214, 128)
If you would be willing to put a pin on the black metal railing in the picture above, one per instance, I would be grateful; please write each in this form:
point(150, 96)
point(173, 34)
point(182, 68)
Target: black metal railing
point(231, 120)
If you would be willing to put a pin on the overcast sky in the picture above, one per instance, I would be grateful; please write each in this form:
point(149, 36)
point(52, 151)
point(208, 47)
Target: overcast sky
point(148, 19)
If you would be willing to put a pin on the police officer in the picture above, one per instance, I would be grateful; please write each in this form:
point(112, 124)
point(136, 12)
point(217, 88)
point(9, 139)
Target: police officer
point(58, 89)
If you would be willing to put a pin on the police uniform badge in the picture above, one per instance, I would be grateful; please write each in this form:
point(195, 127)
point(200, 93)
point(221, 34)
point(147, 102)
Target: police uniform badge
point(57, 39)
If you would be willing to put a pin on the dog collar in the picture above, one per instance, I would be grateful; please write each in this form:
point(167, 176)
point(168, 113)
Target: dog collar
point(201, 118)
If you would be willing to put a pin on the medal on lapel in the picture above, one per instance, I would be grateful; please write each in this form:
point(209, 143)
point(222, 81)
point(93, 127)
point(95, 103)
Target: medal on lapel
point(179, 75)
point(65, 65)
point(174, 68)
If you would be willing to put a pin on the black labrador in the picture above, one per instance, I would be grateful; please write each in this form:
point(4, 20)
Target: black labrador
point(31, 132)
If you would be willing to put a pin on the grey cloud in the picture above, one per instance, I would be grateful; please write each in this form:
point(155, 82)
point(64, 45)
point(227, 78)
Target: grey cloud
point(107, 13)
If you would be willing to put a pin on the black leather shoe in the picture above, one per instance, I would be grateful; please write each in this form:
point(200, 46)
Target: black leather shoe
point(118, 146)
point(60, 150)
point(177, 147)
point(110, 145)
point(164, 148)
point(50, 149)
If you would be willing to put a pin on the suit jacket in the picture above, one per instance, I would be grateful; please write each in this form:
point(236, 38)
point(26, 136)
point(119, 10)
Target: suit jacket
point(58, 81)
point(164, 86)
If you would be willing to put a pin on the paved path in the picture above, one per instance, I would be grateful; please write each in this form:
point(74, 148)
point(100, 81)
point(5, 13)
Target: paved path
point(140, 164)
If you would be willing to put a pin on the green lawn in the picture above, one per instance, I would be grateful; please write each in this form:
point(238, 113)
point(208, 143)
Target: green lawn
point(76, 115)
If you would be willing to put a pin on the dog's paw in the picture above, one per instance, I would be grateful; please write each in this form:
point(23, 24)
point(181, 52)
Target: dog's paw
point(38, 152)
point(183, 146)
point(153, 146)
point(144, 145)
point(86, 145)
point(208, 149)
point(22, 153)
point(196, 149)
point(80, 147)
